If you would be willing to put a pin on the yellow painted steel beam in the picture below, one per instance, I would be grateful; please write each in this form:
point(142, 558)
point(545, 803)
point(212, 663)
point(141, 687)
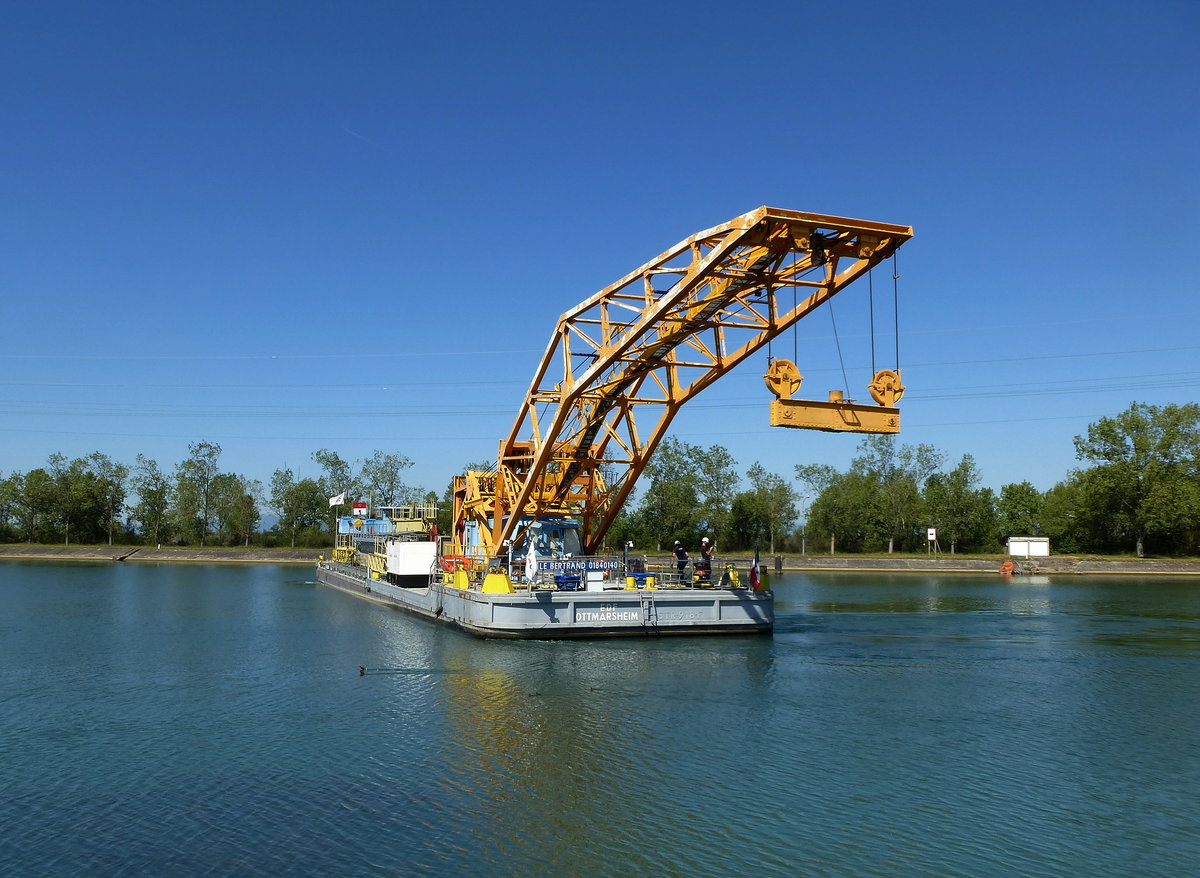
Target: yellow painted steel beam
point(835, 416)
point(622, 363)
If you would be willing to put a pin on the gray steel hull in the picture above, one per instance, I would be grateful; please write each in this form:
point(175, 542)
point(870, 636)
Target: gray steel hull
point(552, 615)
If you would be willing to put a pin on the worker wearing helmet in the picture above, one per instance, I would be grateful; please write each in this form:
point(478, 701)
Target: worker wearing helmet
point(681, 557)
point(704, 565)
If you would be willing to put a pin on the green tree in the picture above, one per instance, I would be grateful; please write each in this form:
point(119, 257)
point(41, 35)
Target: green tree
point(66, 492)
point(844, 505)
point(153, 490)
point(194, 490)
point(379, 476)
point(1019, 510)
point(235, 507)
point(748, 526)
point(1146, 461)
point(35, 498)
point(716, 483)
point(245, 515)
point(336, 476)
point(111, 478)
point(963, 512)
point(629, 526)
point(672, 499)
point(774, 499)
point(9, 501)
point(1071, 518)
point(898, 474)
point(78, 498)
point(300, 504)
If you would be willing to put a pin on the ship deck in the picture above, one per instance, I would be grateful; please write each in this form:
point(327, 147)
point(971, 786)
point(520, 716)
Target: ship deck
point(551, 614)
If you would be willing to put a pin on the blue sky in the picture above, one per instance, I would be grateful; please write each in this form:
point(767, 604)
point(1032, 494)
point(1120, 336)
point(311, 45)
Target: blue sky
point(353, 225)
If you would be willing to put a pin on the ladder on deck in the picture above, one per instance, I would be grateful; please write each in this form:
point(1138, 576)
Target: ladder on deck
point(649, 612)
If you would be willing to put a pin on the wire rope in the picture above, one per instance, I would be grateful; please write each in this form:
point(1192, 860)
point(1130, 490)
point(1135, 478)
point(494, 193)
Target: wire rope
point(871, 309)
point(770, 322)
point(838, 342)
point(795, 330)
point(896, 306)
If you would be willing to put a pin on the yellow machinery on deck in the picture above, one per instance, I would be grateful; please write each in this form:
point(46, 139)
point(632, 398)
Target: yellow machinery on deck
point(621, 364)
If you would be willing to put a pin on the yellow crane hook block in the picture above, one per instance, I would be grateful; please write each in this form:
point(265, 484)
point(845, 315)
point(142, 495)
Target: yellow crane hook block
point(835, 415)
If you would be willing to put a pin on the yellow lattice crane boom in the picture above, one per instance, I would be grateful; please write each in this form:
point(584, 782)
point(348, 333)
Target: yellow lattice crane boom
point(621, 364)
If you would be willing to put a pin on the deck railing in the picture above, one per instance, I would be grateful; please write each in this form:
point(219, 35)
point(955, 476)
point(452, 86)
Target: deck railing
point(470, 565)
point(597, 572)
point(721, 572)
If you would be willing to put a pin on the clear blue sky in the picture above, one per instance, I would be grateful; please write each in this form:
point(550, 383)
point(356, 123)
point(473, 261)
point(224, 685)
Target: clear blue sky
point(287, 226)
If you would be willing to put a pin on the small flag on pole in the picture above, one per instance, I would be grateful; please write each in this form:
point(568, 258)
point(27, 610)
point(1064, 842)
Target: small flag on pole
point(754, 571)
point(338, 500)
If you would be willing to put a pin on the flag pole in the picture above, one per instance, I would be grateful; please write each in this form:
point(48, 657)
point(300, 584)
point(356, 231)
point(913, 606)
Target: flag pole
point(338, 501)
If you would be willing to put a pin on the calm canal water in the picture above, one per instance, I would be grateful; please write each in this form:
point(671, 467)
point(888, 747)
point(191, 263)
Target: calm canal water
point(211, 720)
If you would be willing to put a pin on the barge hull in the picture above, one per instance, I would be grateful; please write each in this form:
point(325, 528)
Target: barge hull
point(546, 614)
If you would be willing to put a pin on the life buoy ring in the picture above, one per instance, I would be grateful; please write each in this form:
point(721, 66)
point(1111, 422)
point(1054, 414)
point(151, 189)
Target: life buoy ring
point(1006, 569)
point(451, 563)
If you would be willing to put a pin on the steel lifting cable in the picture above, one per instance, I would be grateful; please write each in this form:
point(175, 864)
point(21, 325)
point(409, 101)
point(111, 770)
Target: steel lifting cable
point(896, 306)
point(770, 322)
point(871, 308)
point(795, 327)
point(837, 341)
point(795, 330)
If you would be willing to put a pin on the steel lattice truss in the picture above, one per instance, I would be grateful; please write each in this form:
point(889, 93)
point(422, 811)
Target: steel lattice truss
point(621, 364)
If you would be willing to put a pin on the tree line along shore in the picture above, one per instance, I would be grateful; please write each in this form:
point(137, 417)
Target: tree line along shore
point(1136, 492)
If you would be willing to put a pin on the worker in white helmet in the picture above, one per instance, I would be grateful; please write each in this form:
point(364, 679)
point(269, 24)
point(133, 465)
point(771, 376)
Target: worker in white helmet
point(681, 557)
point(704, 565)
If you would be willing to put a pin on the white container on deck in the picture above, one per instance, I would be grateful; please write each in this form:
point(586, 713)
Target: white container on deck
point(410, 558)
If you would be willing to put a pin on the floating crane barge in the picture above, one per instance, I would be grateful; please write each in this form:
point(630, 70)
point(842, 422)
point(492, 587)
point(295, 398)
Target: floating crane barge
point(525, 555)
point(554, 613)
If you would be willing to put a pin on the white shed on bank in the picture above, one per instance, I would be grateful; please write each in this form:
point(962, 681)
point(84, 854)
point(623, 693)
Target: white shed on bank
point(1029, 547)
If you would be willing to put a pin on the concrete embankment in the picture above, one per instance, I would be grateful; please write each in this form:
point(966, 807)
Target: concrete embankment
point(1058, 564)
point(175, 553)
